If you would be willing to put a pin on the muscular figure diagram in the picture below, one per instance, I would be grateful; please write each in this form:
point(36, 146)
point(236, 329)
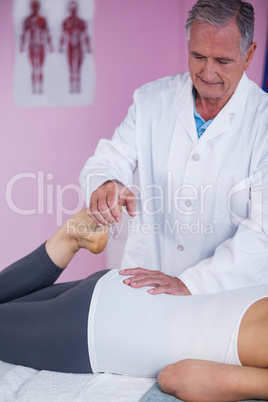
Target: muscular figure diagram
point(74, 34)
point(36, 35)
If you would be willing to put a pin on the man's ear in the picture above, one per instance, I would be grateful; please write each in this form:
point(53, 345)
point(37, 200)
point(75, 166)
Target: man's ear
point(250, 54)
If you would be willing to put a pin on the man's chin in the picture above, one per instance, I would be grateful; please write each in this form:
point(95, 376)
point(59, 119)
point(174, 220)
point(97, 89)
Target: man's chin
point(208, 93)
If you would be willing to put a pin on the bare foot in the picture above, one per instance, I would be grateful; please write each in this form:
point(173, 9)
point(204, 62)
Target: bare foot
point(87, 233)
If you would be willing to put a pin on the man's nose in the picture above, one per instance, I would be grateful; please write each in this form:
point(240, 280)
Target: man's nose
point(209, 73)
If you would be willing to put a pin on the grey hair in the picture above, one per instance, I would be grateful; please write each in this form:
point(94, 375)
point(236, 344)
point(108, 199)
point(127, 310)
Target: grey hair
point(220, 12)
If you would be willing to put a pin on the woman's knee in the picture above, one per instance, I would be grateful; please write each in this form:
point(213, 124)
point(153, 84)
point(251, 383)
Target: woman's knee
point(175, 379)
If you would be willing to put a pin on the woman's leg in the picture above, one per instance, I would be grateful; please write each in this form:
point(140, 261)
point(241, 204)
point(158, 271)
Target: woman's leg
point(195, 380)
point(44, 326)
point(33, 272)
point(48, 331)
point(43, 266)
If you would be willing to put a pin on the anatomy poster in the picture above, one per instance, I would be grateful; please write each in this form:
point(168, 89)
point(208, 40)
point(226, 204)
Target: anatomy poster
point(54, 64)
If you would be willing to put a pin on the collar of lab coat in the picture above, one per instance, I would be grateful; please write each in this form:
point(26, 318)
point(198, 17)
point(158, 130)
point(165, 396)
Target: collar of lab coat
point(221, 123)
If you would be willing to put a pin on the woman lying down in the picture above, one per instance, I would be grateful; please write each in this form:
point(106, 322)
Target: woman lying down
point(202, 348)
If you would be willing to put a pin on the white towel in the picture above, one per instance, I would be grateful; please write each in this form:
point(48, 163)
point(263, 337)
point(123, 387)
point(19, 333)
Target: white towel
point(22, 384)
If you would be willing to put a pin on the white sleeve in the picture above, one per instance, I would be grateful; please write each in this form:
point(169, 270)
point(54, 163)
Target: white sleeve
point(114, 159)
point(242, 260)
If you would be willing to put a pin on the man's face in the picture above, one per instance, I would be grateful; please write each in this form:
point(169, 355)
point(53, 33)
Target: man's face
point(216, 64)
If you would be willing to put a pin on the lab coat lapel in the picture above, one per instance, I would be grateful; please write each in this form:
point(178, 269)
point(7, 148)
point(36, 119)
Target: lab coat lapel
point(222, 123)
point(186, 110)
point(238, 101)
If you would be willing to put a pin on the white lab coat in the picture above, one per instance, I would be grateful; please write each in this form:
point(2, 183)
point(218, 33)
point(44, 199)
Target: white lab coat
point(203, 204)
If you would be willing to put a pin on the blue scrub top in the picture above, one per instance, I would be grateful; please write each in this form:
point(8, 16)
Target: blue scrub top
point(201, 124)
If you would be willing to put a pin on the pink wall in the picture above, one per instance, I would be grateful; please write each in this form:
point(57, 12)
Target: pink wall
point(134, 42)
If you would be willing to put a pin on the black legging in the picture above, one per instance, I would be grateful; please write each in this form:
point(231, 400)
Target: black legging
point(44, 326)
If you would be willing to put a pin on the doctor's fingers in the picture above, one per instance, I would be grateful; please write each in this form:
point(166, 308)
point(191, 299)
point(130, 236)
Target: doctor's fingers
point(104, 209)
point(115, 196)
point(106, 202)
point(98, 205)
point(148, 279)
point(168, 289)
point(173, 287)
point(128, 199)
point(168, 284)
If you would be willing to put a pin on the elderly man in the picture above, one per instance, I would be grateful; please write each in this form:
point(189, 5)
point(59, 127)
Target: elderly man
point(199, 141)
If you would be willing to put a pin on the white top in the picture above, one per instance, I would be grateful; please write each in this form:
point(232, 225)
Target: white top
point(202, 211)
point(132, 332)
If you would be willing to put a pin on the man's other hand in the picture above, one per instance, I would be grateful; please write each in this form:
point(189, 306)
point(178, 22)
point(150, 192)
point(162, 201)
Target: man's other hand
point(160, 282)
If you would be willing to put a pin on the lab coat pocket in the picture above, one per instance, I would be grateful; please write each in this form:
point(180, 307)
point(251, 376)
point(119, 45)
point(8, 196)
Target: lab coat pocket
point(232, 200)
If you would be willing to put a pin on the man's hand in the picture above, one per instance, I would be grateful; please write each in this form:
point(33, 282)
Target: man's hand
point(105, 202)
point(161, 282)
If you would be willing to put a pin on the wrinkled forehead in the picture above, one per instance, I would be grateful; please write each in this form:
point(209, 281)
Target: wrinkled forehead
point(216, 38)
